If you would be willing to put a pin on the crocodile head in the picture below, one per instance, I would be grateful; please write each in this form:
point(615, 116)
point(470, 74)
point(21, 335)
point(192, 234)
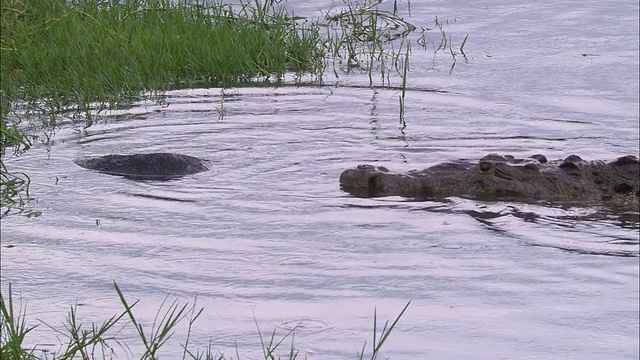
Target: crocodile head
point(495, 176)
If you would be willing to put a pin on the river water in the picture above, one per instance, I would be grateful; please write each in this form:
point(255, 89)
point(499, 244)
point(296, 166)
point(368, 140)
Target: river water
point(267, 236)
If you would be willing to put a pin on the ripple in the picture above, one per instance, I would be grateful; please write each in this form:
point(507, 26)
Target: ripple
point(269, 230)
point(305, 326)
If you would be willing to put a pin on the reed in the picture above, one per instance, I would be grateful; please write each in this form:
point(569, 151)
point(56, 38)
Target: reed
point(99, 340)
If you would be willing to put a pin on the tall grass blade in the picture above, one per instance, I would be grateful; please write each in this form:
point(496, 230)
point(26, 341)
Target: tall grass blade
point(13, 329)
point(386, 331)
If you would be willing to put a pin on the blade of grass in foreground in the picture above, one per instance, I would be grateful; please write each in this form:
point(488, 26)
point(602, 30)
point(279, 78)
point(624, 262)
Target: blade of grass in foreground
point(268, 350)
point(386, 331)
point(164, 330)
point(82, 343)
point(13, 330)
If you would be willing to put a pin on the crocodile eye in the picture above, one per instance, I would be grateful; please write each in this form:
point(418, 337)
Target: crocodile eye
point(573, 159)
point(541, 158)
point(485, 166)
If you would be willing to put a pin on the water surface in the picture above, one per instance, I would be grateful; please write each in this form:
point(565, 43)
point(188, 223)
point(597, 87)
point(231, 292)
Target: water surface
point(267, 233)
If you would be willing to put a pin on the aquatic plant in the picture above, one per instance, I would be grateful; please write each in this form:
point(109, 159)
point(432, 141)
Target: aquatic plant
point(98, 340)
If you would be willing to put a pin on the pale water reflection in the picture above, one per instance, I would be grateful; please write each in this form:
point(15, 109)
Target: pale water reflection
point(268, 233)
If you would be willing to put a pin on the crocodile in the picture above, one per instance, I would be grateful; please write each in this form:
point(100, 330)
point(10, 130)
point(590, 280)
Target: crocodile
point(572, 180)
point(152, 166)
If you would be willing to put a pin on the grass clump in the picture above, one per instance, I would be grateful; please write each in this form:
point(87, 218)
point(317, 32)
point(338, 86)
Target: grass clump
point(97, 341)
point(86, 56)
point(78, 52)
point(82, 57)
point(13, 330)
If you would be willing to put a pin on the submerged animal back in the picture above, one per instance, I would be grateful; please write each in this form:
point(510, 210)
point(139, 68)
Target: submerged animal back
point(145, 166)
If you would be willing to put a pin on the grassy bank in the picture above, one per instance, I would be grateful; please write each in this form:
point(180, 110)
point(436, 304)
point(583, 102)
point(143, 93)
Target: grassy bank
point(99, 341)
point(85, 56)
point(59, 53)
point(78, 58)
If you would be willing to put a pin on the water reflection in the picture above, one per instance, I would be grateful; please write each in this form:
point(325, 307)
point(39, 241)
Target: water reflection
point(267, 231)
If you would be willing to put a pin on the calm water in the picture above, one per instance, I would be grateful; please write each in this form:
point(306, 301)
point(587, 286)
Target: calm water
point(267, 233)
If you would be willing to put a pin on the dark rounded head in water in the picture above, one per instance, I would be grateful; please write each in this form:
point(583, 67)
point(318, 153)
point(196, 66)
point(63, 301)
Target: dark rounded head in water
point(154, 166)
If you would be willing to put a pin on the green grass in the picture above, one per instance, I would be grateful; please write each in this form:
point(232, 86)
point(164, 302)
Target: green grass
point(59, 53)
point(85, 56)
point(80, 57)
point(98, 341)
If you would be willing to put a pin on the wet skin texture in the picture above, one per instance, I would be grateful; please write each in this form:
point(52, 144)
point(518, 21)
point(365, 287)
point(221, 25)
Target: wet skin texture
point(506, 177)
point(154, 166)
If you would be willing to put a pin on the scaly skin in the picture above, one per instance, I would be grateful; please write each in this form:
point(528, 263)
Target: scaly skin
point(154, 166)
point(500, 177)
